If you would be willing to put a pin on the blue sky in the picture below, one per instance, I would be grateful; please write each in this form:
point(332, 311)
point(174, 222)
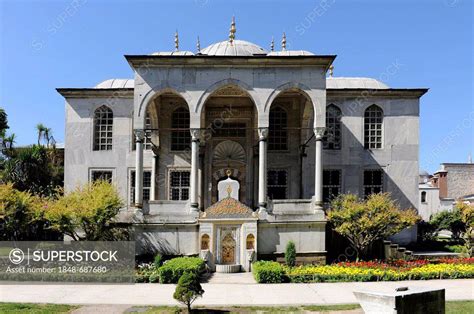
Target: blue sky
point(49, 44)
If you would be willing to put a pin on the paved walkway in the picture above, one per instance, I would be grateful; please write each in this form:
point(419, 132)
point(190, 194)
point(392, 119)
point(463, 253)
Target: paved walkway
point(220, 294)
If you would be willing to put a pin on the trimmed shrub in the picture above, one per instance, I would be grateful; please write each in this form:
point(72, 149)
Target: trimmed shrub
point(268, 272)
point(290, 254)
point(188, 289)
point(173, 269)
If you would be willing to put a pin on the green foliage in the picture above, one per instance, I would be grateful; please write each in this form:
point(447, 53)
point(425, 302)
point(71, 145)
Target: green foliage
point(158, 260)
point(90, 209)
point(290, 254)
point(18, 216)
point(188, 289)
point(467, 217)
point(448, 220)
point(3, 122)
point(268, 272)
point(363, 222)
point(173, 269)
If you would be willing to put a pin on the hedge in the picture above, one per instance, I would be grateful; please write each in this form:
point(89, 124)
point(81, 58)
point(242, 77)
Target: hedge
point(268, 272)
point(173, 269)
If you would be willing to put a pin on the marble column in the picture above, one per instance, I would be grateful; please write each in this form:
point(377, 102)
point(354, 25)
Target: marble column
point(194, 184)
point(262, 168)
point(139, 137)
point(318, 175)
point(154, 169)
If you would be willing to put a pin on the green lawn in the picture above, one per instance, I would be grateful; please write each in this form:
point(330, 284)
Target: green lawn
point(35, 308)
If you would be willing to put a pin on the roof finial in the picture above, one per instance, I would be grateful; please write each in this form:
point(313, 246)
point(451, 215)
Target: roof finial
point(272, 45)
point(283, 42)
point(331, 70)
point(176, 41)
point(198, 45)
point(232, 30)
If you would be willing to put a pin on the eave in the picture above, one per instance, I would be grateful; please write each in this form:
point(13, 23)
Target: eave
point(369, 93)
point(139, 61)
point(95, 92)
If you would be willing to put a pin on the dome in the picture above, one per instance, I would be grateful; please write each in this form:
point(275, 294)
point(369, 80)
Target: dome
point(116, 83)
point(424, 173)
point(354, 82)
point(236, 48)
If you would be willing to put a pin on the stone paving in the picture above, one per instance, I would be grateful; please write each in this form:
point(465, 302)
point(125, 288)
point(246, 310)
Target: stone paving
point(219, 292)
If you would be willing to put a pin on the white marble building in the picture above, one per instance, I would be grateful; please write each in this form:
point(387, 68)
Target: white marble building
point(288, 137)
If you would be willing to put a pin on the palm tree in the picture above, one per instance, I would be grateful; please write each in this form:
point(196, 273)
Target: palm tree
point(41, 130)
point(47, 135)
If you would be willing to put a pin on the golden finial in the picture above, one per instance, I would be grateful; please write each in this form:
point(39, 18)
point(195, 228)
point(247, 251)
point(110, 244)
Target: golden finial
point(198, 45)
point(232, 31)
point(331, 70)
point(228, 172)
point(176, 41)
point(229, 190)
point(272, 45)
point(283, 42)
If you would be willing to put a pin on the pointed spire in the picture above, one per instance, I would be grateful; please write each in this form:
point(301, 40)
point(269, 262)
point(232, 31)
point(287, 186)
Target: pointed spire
point(198, 45)
point(232, 30)
point(272, 45)
point(331, 70)
point(176, 41)
point(283, 42)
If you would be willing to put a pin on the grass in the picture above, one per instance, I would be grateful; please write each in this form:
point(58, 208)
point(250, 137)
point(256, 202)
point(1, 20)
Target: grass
point(35, 308)
point(459, 307)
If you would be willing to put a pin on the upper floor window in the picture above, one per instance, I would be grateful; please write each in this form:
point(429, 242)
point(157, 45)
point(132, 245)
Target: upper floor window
point(373, 119)
point(179, 185)
point(373, 182)
point(332, 139)
point(331, 184)
point(278, 132)
point(423, 197)
point(180, 134)
point(103, 124)
point(277, 184)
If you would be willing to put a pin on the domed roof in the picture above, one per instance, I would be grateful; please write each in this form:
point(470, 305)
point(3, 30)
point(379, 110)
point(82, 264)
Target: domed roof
point(116, 83)
point(424, 173)
point(354, 82)
point(236, 48)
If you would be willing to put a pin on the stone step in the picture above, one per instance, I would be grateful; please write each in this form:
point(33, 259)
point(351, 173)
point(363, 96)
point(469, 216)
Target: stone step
point(233, 268)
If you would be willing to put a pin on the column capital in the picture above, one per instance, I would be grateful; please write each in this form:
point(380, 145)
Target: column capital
point(319, 132)
point(195, 134)
point(139, 135)
point(262, 134)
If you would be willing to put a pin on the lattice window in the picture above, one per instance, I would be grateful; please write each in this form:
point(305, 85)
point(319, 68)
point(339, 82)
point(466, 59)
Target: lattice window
point(105, 175)
point(180, 135)
point(278, 132)
point(146, 185)
point(231, 129)
point(277, 184)
point(373, 182)
point(331, 184)
point(179, 185)
point(103, 127)
point(373, 120)
point(332, 139)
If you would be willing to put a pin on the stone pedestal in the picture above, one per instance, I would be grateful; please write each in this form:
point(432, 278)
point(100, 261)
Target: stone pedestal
point(413, 301)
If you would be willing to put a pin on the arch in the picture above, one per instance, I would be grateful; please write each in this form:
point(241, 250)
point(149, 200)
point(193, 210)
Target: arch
point(373, 127)
point(333, 136)
point(226, 82)
point(156, 91)
point(250, 242)
point(103, 128)
point(205, 241)
point(303, 89)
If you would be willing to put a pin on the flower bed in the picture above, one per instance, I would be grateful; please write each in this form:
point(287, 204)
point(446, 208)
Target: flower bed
point(269, 272)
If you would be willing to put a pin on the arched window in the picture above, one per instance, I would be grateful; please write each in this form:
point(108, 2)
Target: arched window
point(205, 242)
point(332, 139)
point(180, 135)
point(103, 126)
point(423, 197)
point(250, 242)
point(278, 133)
point(373, 119)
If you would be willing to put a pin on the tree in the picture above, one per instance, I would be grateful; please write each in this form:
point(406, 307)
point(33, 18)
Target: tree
point(448, 220)
point(290, 254)
point(40, 128)
point(188, 289)
point(363, 222)
point(467, 217)
point(87, 213)
point(3, 122)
